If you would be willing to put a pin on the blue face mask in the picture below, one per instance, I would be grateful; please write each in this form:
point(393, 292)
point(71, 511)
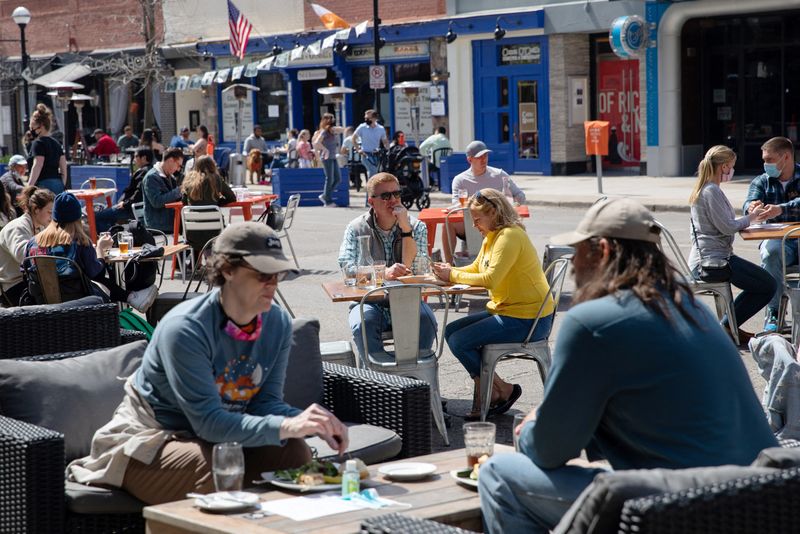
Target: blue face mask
point(772, 170)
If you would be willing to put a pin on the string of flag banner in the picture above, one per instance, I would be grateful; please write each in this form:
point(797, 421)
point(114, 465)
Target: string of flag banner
point(241, 28)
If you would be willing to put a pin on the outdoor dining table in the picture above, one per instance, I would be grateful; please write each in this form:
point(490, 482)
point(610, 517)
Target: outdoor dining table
point(439, 498)
point(88, 196)
point(432, 217)
point(768, 231)
point(338, 292)
point(118, 260)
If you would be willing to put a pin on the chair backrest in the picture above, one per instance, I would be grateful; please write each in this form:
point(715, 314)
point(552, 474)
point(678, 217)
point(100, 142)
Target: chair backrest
point(138, 210)
point(679, 261)
point(102, 183)
point(45, 284)
point(471, 234)
point(291, 208)
point(201, 265)
point(790, 273)
point(404, 309)
point(292, 158)
point(440, 154)
point(202, 219)
point(555, 274)
point(553, 252)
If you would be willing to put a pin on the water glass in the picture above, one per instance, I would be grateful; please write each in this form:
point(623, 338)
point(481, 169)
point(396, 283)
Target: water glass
point(421, 265)
point(228, 466)
point(478, 441)
point(365, 277)
point(349, 272)
point(518, 418)
point(380, 273)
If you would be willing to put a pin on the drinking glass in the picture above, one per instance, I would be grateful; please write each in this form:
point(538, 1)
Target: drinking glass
point(518, 418)
point(463, 196)
point(380, 273)
point(93, 183)
point(125, 240)
point(421, 265)
point(365, 277)
point(478, 441)
point(349, 272)
point(228, 466)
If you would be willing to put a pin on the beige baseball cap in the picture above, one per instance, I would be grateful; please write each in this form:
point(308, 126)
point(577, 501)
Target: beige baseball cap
point(258, 244)
point(621, 218)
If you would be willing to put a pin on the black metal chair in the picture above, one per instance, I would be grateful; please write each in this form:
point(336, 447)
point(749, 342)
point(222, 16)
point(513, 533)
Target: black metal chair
point(46, 285)
point(435, 164)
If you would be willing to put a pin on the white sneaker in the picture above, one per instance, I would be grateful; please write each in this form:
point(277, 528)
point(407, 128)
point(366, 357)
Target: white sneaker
point(322, 199)
point(143, 299)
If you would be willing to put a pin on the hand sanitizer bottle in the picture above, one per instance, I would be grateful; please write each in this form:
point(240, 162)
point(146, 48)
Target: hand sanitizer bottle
point(351, 478)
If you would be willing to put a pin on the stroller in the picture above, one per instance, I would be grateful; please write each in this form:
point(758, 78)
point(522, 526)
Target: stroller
point(405, 162)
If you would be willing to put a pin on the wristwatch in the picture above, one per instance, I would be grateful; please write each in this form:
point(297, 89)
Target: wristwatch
point(406, 234)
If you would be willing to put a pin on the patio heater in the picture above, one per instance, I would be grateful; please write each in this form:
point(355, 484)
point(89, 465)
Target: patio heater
point(336, 94)
point(63, 91)
point(79, 101)
point(236, 169)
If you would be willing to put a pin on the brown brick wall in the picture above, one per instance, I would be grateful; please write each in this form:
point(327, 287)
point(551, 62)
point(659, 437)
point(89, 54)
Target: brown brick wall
point(357, 11)
point(87, 25)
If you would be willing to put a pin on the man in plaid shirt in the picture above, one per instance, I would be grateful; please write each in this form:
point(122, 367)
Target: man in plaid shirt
point(397, 239)
point(778, 189)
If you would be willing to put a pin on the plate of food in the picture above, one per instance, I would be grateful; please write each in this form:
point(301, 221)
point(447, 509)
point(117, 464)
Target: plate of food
point(469, 475)
point(407, 470)
point(314, 476)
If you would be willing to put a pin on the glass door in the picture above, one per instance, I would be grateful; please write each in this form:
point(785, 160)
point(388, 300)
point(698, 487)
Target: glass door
point(526, 125)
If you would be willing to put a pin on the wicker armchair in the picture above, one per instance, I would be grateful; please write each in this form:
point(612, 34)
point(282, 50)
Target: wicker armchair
point(32, 486)
point(28, 331)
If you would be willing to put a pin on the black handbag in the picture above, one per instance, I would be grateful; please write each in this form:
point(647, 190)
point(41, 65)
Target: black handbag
point(711, 269)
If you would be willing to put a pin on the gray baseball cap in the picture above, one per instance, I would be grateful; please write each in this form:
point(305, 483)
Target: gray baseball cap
point(477, 149)
point(16, 159)
point(621, 218)
point(257, 244)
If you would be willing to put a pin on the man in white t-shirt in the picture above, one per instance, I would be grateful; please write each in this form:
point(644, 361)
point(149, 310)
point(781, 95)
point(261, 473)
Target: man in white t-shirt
point(479, 176)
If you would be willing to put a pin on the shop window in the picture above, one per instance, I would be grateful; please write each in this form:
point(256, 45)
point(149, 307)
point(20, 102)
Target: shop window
point(505, 128)
point(272, 110)
point(412, 72)
point(502, 92)
point(528, 120)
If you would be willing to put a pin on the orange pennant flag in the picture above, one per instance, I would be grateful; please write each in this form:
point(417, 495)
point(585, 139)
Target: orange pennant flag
point(329, 19)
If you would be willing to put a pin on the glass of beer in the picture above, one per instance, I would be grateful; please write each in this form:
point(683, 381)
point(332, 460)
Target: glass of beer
point(380, 273)
point(93, 183)
point(463, 197)
point(478, 441)
point(125, 240)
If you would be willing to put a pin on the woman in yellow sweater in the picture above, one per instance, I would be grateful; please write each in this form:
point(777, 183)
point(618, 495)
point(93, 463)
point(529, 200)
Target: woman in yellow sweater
point(508, 266)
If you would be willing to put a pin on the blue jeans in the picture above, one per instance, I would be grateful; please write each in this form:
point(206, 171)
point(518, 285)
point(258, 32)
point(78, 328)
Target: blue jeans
point(757, 286)
point(467, 335)
point(371, 164)
point(771, 262)
point(376, 324)
point(332, 178)
point(108, 217)
point(53, 184)
point(518, 496)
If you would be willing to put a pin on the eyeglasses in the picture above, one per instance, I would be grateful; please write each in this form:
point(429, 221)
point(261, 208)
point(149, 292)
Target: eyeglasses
point(264, 278)
point(388, 194)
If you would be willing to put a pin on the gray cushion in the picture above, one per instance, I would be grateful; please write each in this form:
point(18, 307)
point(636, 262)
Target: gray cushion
point(778, 457)
point(83, 499)
point(303, 385)
point(598, 508)
point(84, 301)
point(74, 396)
point(373, 444)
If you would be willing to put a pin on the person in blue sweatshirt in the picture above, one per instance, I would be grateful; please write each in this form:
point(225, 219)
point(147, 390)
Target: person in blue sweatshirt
point(642, 375)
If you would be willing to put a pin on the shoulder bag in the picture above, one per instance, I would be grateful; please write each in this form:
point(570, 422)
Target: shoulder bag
point(711, 269)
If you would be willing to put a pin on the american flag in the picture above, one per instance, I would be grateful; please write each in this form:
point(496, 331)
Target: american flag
point(240, 30)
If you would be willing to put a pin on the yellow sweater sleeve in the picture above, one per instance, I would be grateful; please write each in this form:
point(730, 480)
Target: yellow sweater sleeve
point(498, 254)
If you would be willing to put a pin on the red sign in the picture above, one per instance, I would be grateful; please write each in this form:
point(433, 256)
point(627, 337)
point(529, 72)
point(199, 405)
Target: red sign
point(618, 103)
point(596, 137)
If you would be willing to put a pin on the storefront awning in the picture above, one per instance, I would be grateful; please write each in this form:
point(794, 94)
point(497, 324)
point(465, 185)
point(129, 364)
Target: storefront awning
point(67, 73)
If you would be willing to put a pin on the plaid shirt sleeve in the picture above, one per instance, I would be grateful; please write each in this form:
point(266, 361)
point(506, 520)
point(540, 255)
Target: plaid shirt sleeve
point(420, 233)
point(348, 251)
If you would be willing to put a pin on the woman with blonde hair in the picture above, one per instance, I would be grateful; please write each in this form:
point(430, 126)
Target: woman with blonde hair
point(713, 228)
point(508, 266)
point(326, 142)
point(66, 237)
point(49, 170)
point(305, 152)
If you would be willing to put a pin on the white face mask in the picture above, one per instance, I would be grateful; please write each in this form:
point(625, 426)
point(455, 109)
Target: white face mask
point(728, 177)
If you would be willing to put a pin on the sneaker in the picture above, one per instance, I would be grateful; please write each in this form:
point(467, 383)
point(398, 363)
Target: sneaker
point(771, 322)
point(143, 299)
point(322, 199)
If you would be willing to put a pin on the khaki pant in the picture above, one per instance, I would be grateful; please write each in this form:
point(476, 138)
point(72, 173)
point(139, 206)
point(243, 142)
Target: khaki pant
point(185, 466)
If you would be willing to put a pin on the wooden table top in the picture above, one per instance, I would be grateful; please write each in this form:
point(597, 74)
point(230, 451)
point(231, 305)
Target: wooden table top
point(437, 215)
point(169, 250)
point(438, 498)
point(769, 231)
point(338, 292)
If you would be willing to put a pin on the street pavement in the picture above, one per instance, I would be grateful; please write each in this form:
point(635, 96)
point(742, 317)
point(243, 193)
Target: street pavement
point(317, 233)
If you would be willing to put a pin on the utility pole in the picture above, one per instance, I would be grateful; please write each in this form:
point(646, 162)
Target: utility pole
point(376, 40)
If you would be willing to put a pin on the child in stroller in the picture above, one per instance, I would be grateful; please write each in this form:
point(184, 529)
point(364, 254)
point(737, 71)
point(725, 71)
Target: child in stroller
point(405, 162)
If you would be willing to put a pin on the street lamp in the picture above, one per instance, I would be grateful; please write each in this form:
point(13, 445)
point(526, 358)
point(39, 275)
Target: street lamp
point(22, 17)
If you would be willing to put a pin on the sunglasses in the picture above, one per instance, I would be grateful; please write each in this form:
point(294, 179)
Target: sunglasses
point(264, 278)
point(482, 199)
point(388, 194)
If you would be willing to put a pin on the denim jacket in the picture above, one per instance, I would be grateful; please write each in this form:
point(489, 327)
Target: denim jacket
point(159, 189)
point(770, 191)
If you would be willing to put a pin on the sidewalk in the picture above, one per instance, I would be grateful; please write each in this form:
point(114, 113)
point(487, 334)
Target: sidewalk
point(579, 191)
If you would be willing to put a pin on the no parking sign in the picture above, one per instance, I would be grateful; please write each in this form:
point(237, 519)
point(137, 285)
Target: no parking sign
point(377, 76)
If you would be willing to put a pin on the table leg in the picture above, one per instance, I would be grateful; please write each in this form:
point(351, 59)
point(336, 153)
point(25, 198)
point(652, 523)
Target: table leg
point(247, 212)
point(431, 226)
point(108, 201)
point(90, 218)
point(176, 228)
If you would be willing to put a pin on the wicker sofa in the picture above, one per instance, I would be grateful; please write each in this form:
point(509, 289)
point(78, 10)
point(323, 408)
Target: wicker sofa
point(33, 488)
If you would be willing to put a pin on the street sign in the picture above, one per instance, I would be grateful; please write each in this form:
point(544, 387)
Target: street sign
point(377, 76)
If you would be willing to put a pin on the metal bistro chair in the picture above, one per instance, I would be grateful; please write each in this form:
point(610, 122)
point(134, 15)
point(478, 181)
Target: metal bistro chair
point(292, 159)
point(138, 210)
point(203, 222)
point(46, 286)
point(553, 252)
point(791, 289)
point(407, 359)
point(538, 351)
point(721, 291)
point(288, 219)
point(437, 157)
point(473, 239)
point(102, 183)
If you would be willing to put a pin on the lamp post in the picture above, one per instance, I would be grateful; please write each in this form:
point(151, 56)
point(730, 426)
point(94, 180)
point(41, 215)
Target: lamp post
point(236, 173)
point(22, 17)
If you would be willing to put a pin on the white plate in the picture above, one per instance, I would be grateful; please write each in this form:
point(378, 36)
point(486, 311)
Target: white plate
point(217, 502)
point(270, 477)
point(464, 481)
point(407, 470)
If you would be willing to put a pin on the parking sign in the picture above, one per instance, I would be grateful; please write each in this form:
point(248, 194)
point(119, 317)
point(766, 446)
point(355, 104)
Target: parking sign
point(377, 76)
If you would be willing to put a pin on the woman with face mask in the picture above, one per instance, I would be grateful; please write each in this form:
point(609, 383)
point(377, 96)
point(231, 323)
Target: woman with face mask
point(713, 228)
